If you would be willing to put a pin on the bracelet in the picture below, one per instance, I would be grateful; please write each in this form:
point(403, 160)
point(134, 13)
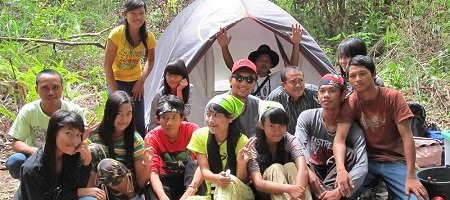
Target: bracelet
point(147, 164)
point(193, 187)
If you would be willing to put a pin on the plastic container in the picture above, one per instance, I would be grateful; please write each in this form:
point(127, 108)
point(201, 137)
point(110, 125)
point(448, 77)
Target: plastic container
point(446, 135)
point(436, 180)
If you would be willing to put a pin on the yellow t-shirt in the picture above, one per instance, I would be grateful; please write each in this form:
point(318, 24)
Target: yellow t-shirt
point(127, 62)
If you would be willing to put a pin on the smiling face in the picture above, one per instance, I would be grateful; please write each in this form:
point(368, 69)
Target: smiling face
point(123, 117)
point(135, 17)
point(240, 87)
point(263, 65)
point(294, 85)
point(49, 88)
point(274, 132)
point(170, 123)
point(217, 122)
point(360, 78)
point(330, 97)
point(343, 62)
point(67, 140)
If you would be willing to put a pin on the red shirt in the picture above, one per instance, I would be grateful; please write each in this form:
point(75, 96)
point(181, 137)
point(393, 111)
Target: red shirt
point(169, 157)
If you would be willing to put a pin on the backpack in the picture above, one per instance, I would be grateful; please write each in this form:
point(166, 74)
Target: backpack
point(418, 123)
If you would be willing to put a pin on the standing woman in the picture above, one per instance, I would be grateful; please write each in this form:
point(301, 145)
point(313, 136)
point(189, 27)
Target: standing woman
point(126, 45)
point(59, 170)
point(279, 169)
point(120, 162)
point(221, 150)
point(176, 82)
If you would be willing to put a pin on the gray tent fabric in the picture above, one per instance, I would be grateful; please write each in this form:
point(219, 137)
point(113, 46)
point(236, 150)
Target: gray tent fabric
point(250, 23)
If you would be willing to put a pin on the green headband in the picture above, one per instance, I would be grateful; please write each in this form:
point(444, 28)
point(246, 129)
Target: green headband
point(228, 102)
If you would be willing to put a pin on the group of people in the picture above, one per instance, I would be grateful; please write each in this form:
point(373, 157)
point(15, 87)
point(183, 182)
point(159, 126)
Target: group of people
point(272, 136)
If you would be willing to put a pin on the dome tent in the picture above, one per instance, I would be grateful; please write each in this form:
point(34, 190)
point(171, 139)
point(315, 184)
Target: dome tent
point(250, 23)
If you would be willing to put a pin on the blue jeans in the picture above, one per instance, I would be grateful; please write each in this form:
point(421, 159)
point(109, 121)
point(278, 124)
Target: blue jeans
point(392, 173)
point(14, 163)
point(138, 109)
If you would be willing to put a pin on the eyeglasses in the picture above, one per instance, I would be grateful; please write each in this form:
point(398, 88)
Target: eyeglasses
point(248, 79)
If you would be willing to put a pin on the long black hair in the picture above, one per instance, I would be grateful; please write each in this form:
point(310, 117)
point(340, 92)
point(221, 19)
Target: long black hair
point(234, 132)
point(58, 120)
point(106, 128)
point(177, 67)
point(264, 159)
point(129, 6)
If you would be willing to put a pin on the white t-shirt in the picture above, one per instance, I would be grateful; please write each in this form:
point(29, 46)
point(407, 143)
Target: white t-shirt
point(273, 82)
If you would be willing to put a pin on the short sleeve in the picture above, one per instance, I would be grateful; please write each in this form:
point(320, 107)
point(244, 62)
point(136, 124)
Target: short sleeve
point(198, 141)
point(139, 147)
point(21, 128)
point(151, 41)
point(116, 34)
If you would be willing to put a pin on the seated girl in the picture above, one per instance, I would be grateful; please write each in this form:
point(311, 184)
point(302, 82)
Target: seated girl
point(120, 161)
point(279, 169)
point(221, 150)
point(176, 82)
point(59, 170)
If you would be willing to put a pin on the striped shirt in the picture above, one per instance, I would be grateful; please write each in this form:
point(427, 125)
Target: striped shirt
point(293, 109)
point(119, 147)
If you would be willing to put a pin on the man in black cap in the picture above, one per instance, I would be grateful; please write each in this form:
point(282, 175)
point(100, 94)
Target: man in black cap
point(264, 59)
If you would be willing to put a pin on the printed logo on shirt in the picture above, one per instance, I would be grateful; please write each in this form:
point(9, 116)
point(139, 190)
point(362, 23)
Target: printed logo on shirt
point(321, 150)
point(129, 59)
point(39, 136)
point(372, 122)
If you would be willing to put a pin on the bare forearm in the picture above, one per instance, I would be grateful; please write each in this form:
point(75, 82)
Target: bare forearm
point(241, 172)
point(157, 185)
point(227, 57)
point(22, 147)
point(339, 154)
point(295, 56)
point(198, 178)
point(410, 156)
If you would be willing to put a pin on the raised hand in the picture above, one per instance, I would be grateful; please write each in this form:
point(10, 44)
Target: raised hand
point(148, 156)
point(222, 37)
point(246, 153)
point(296, 35)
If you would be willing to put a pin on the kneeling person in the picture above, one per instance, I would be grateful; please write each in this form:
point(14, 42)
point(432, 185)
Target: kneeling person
point(172, 170)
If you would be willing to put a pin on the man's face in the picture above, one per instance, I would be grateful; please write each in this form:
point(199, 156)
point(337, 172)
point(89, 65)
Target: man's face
point(263, 65)
point(360, 78)
point(49, 89)
point(294, 85)
point(170, 123)
point(330, 97)
point(242, 83)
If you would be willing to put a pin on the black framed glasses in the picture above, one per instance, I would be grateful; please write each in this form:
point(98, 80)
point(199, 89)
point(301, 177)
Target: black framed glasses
point(248, 79)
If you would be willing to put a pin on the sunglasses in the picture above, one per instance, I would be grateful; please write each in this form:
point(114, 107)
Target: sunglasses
point(248, 79)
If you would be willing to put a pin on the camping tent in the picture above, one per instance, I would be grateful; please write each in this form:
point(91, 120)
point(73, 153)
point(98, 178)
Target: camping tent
point(191, 37)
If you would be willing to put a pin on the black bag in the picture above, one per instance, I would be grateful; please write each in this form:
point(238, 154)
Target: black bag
point(418, 123)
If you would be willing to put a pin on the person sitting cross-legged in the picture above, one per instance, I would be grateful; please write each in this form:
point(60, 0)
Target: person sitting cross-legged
point(278, 168)
point(173, 167)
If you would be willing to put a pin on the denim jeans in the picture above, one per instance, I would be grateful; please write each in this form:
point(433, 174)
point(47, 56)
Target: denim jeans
point(392, 173)
point(14, 163)
point(138, 109)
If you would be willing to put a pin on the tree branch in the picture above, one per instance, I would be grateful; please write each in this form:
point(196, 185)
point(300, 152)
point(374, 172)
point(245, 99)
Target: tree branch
point(52, 41)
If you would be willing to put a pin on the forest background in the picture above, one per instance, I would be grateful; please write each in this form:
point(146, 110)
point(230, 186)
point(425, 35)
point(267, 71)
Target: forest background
point(409, 40)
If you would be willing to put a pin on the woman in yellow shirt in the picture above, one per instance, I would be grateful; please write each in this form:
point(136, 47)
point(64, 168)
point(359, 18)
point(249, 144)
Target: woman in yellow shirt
point(126, 45)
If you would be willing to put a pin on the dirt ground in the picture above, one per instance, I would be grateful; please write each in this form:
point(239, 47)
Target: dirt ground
point(8, 185)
